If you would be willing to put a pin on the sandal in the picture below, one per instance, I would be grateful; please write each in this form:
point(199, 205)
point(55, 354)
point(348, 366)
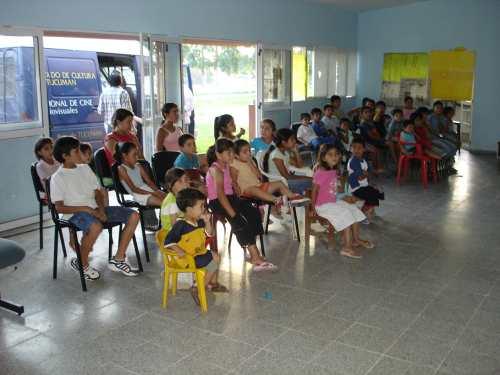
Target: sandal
point(264, 266)
point(194, 294)
point(350, 254)
point(365, 243)
point(217, 288)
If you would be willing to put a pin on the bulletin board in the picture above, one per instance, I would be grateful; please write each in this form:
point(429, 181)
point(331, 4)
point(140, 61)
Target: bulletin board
point(398, 66)
point(452, 74)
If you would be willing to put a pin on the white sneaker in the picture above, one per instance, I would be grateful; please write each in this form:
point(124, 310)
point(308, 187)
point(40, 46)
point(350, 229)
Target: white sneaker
point(121, 266)
point(89, 273)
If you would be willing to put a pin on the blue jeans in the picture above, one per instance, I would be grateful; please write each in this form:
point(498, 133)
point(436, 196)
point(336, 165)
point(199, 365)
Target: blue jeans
point(317, 142)
point(298, 186)
point(115, 214)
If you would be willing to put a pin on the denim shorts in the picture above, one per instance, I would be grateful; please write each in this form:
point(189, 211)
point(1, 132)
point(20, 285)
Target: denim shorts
point(116, 214)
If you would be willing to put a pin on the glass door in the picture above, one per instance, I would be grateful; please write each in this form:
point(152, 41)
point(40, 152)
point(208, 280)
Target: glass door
point(153, 72)
point(274, 85)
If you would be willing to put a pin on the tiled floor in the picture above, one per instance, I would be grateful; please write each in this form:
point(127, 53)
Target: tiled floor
point(425, 301)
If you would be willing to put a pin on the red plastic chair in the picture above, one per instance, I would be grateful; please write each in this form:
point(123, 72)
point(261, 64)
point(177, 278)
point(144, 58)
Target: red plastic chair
point(404, 163)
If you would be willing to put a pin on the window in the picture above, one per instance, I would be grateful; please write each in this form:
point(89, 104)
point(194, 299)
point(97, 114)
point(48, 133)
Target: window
point(299, 73)
point(18, 93)
point(275, 83)
point(329, 71)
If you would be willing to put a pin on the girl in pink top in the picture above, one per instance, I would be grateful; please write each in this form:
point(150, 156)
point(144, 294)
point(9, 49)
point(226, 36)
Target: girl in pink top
point(344, 215)
point(167, 138)
point(244, 218)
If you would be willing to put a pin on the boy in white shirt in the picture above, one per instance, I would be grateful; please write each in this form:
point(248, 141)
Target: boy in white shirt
point(76, 193)
point(306, 133)
point(331, 122)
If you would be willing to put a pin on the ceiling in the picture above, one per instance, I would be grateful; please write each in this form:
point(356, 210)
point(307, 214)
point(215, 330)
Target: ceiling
point(363, 5)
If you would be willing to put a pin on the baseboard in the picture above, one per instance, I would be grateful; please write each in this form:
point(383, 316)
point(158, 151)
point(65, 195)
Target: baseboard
point(26, 224)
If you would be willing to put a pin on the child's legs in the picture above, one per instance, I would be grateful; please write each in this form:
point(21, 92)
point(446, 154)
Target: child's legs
point(299, 186)
point(91, 228)
point(347, 238)
point(257, 192)
point(210, 262)
point(125, 216)
point(255, 257)
point(279, 187)
point(154, 201)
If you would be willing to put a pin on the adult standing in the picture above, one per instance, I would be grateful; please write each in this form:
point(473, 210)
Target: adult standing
point(122, 132)
point(112, 98)
point(167, 138)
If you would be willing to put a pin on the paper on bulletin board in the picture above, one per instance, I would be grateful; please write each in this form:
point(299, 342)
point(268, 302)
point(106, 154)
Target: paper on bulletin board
point(452, 74)
point(398, 66)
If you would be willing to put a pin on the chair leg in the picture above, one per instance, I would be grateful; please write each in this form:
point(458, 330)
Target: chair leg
point(400, 167)
point(137, 254)
point(268, 215)
point(423, 172)
point(229, 243)
point(202, 296)
point(166, 280)
point(110, 243)
point(262, 249)
point(40, 223)
point(174, 283)
point(63, 244)
point(296, 223)
point(79, 257)
point(56, 243)
point(144, 239)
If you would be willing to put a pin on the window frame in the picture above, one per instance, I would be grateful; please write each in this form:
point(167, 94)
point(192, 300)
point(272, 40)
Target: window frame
point(41, 125)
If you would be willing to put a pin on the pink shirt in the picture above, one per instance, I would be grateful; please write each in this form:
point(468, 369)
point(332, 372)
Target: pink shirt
point(327, 182)
point(171, 140)
point(210, 180)
point(407, 112)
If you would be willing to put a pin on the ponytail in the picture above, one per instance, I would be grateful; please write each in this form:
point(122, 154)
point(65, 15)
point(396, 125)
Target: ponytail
point(220, 123)
point(265, 161)
point(211, 156)
point(122, 149)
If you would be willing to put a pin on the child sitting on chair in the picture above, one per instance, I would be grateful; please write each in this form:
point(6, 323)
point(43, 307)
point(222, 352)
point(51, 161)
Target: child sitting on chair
point(46, 165)
point(188, 160)
point(343, 214)
point(187, 236)
point(135, 179)
point(248, 179)
point(175, 181)
point(358, 179)
point(76, 193)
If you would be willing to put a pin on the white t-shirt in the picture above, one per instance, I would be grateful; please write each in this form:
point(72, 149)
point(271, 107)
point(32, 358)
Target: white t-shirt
point(306, 134)
point(331, 123)
point(74, 186)
point(277, 154)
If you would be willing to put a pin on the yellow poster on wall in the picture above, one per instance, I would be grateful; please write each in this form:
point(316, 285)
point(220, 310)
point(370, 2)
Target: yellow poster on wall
point(452, 74)
point(398, 66)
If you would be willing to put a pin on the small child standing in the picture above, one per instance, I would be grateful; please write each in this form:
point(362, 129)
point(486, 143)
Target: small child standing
point(46, 165)
point(135, 179)
point(358, 179)
point(187, 237)
point(342, 214)
point(249, 179)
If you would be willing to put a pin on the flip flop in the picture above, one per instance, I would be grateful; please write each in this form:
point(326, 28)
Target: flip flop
point(218, 288)
point(350, 254)
point(366, 244)
point(264, 266)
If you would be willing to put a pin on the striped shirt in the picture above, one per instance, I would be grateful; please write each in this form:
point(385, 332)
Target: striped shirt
point(110, 100)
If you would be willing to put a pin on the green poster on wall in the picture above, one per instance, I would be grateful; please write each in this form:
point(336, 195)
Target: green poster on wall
point(399, 66)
